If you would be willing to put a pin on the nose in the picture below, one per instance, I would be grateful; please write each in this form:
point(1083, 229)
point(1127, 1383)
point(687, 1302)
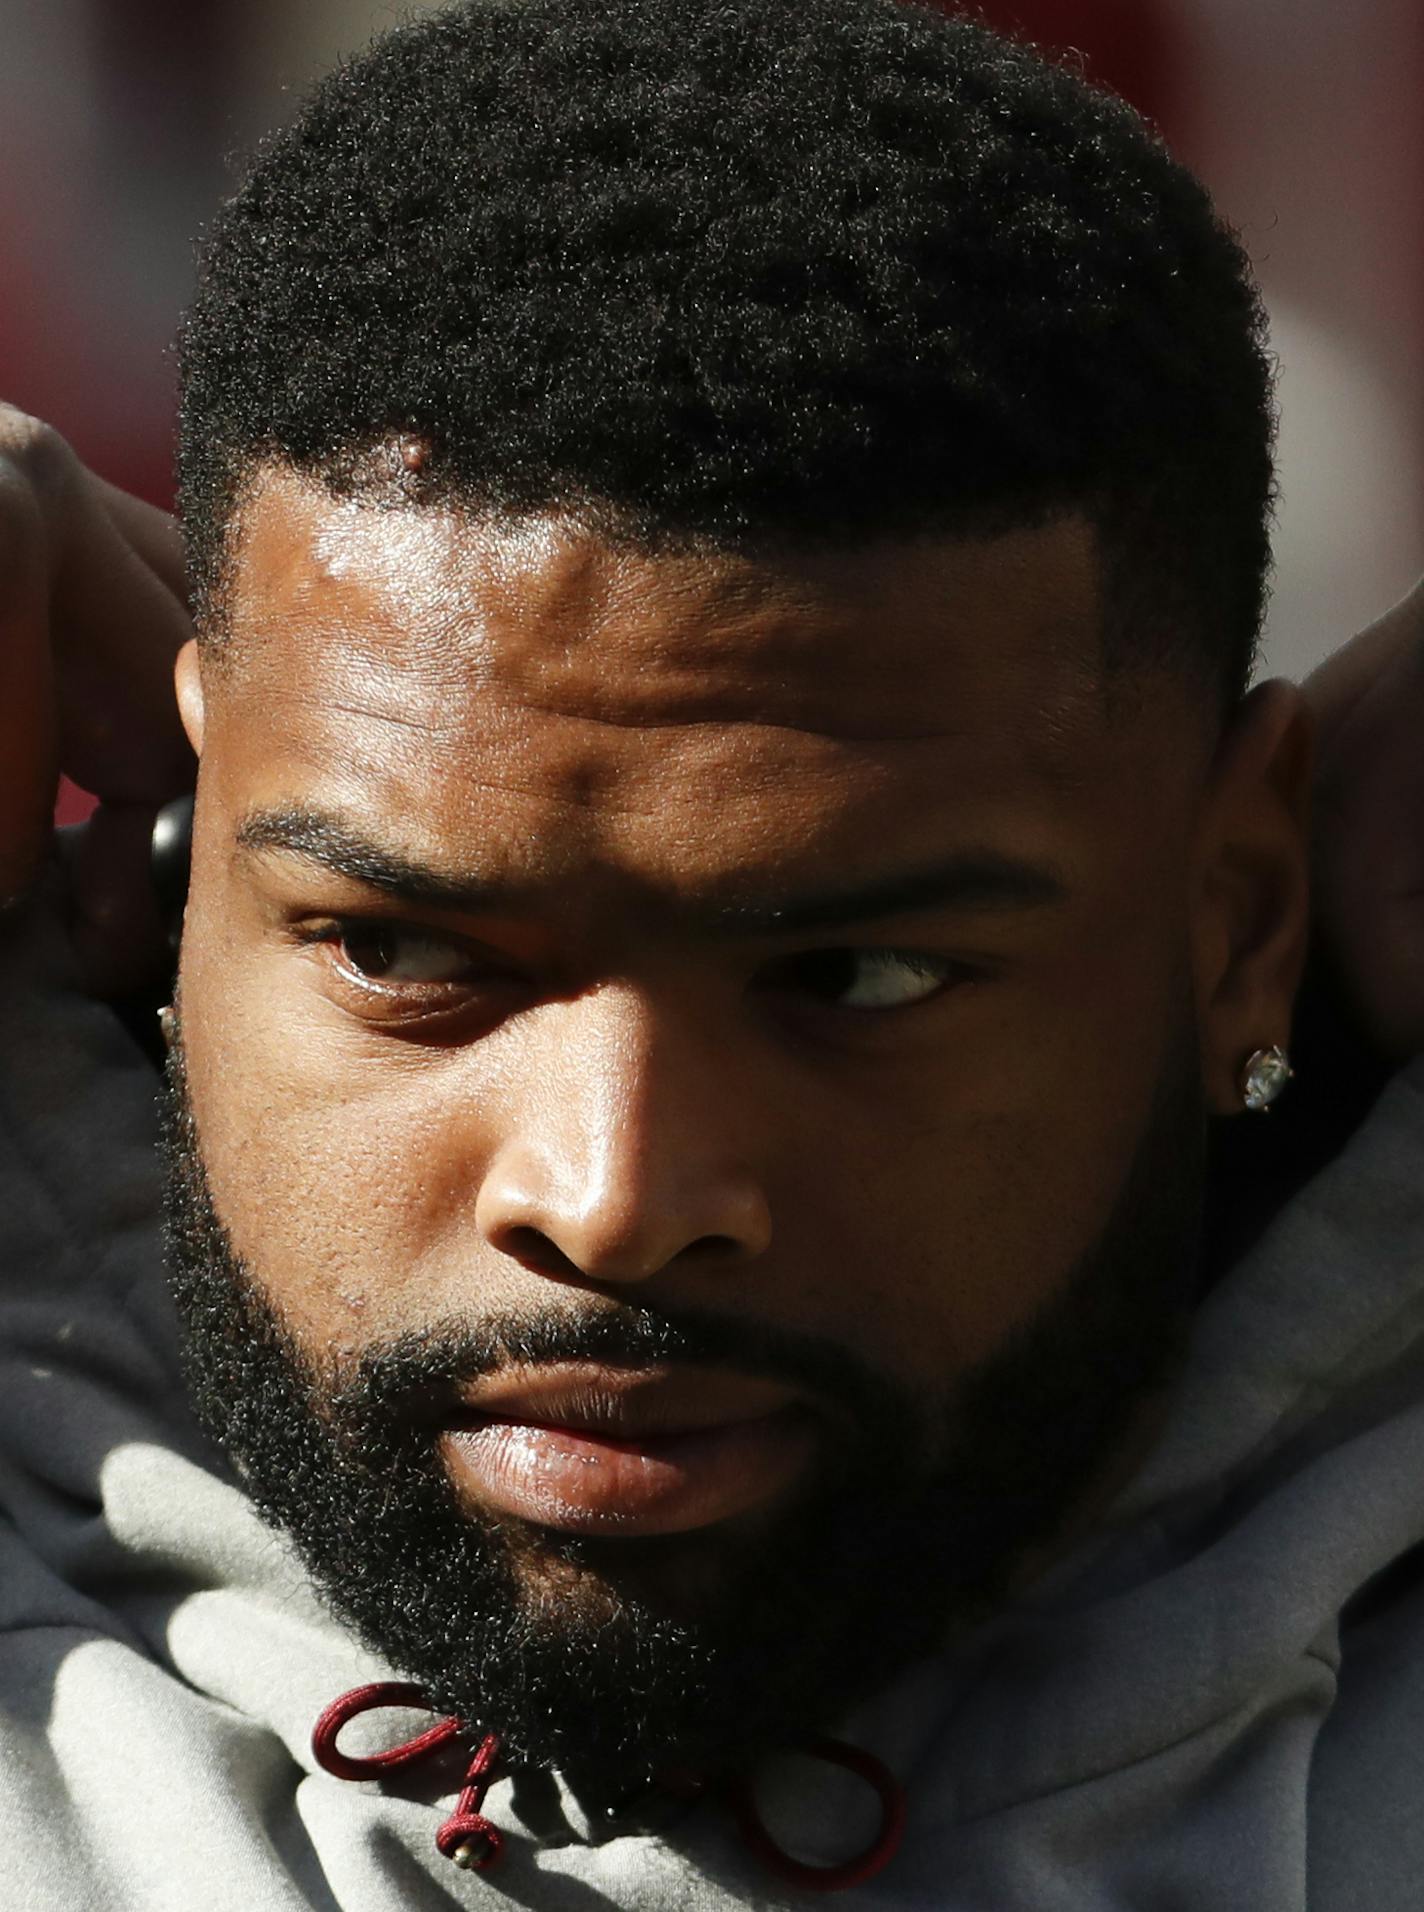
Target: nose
point(628, 1148)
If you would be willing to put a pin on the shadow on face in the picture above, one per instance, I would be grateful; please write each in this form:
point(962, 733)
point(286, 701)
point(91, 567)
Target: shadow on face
point(810, 947)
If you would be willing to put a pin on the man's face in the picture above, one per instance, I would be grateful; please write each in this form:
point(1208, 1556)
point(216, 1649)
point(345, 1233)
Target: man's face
point(688, 1053)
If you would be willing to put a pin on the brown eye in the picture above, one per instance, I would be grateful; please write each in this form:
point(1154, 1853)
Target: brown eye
point(388, 953)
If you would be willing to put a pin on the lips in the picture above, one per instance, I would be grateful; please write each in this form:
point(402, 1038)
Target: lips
point(613, 1451)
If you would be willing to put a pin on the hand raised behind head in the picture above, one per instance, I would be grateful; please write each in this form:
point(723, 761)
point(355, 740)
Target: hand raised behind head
point(1369, 825)
point(92, 614)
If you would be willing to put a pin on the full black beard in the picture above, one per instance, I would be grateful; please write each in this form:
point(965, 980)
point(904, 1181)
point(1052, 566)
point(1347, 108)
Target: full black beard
point(912, 1531)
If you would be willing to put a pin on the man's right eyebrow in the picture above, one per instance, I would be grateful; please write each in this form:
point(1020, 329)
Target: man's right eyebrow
point(334, 845)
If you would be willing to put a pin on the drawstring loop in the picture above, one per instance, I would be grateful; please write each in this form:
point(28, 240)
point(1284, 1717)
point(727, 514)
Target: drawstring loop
point(836, 1878)
point(467, 1837)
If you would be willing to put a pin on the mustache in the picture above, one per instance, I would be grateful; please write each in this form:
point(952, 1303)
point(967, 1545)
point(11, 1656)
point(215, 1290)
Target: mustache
point(417, 1373)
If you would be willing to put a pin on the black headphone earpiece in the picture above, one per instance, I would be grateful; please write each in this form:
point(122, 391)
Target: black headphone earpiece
point(170, 856)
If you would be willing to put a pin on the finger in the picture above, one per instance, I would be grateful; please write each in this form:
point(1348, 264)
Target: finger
point(151, 533)
point(1381, 969)
point(117, 626)
point(1335, 688)
point(1369, 854)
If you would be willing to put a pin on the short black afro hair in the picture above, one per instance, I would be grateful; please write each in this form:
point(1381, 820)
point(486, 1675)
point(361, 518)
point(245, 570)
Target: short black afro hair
point(752, 273)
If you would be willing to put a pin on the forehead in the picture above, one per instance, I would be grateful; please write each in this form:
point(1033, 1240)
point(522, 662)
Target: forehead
point(431, 663)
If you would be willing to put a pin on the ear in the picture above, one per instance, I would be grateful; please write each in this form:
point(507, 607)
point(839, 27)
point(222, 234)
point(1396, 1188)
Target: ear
point(188, 684)
point(1250, 890)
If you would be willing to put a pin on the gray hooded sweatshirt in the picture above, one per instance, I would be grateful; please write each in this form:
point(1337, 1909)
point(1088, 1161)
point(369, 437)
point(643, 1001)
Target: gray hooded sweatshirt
point(1217, 1702)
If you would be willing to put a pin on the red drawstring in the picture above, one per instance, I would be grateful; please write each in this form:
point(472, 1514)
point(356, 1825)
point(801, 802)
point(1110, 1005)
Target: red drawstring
point(877, 1855)
point(467, 1836)
point(470, 1840)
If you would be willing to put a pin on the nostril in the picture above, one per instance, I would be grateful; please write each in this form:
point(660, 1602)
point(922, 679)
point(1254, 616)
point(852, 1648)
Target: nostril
point(713, 1248)
point(534, 1250)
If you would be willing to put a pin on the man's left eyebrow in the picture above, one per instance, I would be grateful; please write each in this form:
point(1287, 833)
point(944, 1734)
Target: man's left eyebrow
point(970, 881)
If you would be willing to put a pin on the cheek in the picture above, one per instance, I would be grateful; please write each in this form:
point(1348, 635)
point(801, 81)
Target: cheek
point(342, 1173)
point(945, 1223)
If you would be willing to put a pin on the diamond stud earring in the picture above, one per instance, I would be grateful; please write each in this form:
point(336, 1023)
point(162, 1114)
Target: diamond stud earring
point(1263, 1076)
